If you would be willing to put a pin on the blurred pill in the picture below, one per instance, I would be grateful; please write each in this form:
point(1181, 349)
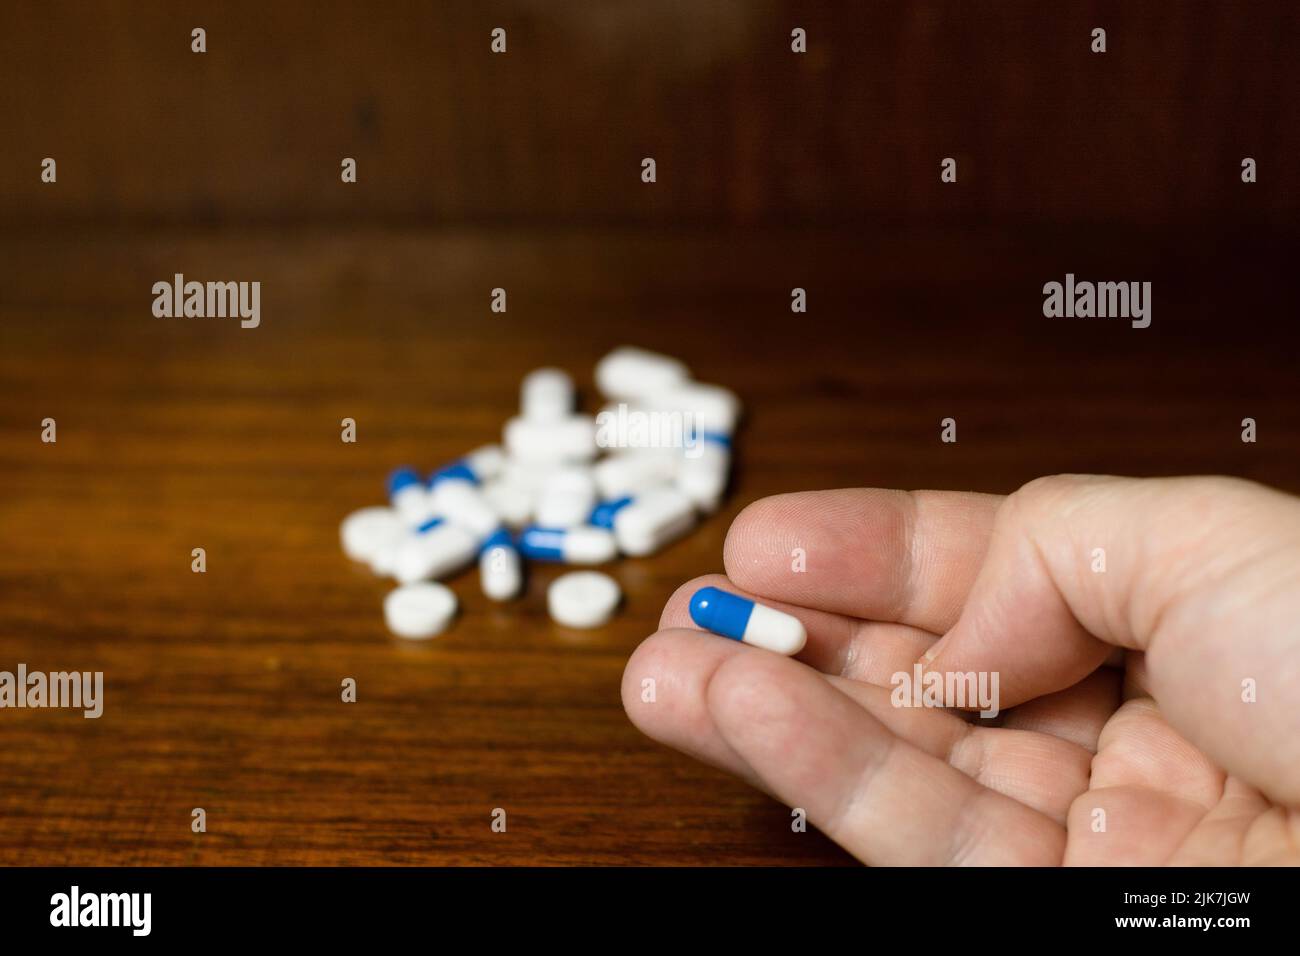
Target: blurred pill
point(566, 499)
point(460, 502)
point(581, 545)
point(582, 599)
point(419, 611)
point(409, 497)
point(570, 439)
point(434, 550)
point(531, 475)
point(644, 523)
point(501, 573)
point(630, 372)
point(480, 465)
point(630, 472)
point(547, 395)
point(705, 470)
point(704, 408)
point(368, 531)
point(512, 502)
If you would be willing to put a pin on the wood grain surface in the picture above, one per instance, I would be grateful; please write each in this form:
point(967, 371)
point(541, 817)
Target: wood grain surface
point(744, 131)
point(223, 688)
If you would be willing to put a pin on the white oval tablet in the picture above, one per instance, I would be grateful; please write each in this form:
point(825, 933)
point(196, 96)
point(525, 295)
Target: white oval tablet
point(582, 598)
point(419, 611)
point(653, 520)
point(370, 531)
point(630, 372)
point(710, 408)
point(631, 472)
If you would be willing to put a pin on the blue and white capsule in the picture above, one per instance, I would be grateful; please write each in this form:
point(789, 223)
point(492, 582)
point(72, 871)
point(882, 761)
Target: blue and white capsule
point(744, 620)
point(500, 569)
point(480, 465)
point(408, 496)
point(435, 549)
point(581, 545)
point(644, 523)
point(456, 496)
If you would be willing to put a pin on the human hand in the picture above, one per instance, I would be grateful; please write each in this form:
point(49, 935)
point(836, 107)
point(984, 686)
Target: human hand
point(1125, 693)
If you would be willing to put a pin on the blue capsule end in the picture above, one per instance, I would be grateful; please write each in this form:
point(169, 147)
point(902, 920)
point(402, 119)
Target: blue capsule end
point(499, 539)
point(542, 544)
point(721, 612)
point(402, 478)
point(603, 515)
point(697, 436)
point(457, 469)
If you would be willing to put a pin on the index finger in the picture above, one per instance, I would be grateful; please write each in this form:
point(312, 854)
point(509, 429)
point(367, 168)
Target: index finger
point(871, 553)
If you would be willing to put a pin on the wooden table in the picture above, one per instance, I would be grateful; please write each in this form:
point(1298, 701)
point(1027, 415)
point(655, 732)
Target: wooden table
point(223, 688)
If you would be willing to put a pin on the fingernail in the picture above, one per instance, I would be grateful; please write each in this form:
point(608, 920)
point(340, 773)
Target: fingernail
point(932, 653)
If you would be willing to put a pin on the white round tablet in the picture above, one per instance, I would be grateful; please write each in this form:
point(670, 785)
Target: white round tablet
point(368, 532)
point(582, 598)
point(419, 610)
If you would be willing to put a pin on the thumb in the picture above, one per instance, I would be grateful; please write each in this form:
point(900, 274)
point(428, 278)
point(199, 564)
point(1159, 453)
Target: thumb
point(1201, 574)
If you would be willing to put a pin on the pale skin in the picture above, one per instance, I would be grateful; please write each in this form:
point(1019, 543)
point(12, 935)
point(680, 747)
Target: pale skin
point(1121, 690)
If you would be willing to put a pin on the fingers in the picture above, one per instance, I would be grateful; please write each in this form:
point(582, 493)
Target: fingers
point(905, 557)
point(685, 711)
point(879, 797)
point(860, 650)
point(1038, 770)
point(1076, 714)
point(1200, 573)
point(1041, 771)
point(665, 685)
point(1128, 826)
point(1150, 789)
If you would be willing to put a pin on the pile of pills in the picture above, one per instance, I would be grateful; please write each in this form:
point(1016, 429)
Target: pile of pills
point(561, 487)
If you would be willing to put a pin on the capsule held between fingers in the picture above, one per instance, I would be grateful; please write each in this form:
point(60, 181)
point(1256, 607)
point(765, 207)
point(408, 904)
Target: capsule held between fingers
point(741, 619)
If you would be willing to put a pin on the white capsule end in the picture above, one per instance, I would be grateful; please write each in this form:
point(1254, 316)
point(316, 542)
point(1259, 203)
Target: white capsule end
point(587, 545)
point(500, 573)
point(775, 630)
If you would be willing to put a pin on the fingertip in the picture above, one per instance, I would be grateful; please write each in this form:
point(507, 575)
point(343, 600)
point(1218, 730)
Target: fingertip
point(842, 550)
point(747, 688)
point(665, 691)
point(665, 680)
point(646, 663)
point(677, 612)
point(749, 539)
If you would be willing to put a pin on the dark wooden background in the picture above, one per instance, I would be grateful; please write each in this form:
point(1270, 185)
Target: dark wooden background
point(222, 689)
point(744, 131)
